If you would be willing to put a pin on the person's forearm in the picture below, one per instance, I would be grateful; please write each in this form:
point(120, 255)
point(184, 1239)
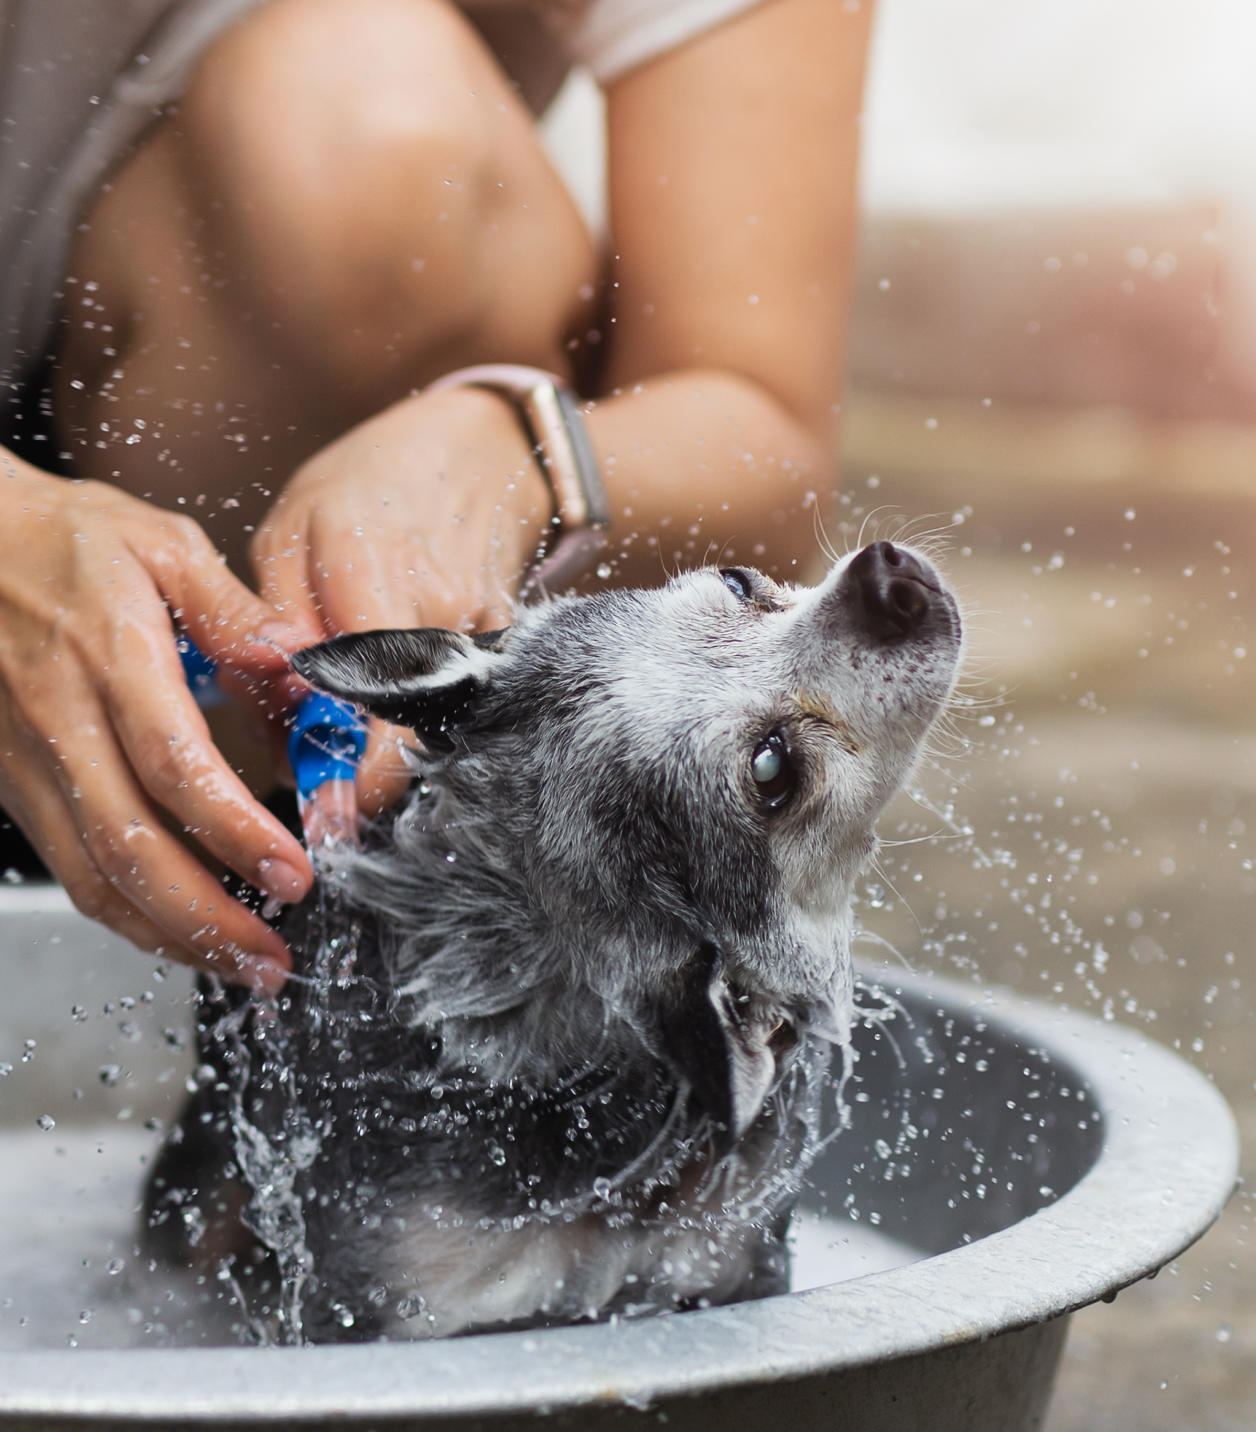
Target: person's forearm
point(703, 465)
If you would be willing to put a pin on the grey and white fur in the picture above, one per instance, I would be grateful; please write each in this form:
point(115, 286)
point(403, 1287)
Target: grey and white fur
point(558, 1037)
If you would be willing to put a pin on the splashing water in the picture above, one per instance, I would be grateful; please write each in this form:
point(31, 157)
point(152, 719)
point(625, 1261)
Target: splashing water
point(261, 1053)
point(271, 1165)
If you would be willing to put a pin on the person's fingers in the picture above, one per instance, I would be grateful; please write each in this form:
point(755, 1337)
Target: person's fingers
point(366, 580)
point(497, 611)
point(252, 643)
point(383, 775)
point(365, 586)
point(125, 840)
point(279, 553)
point(249, 639)
point(171, 889)
point(173, 755)
point(37, 807)
point(165, 736)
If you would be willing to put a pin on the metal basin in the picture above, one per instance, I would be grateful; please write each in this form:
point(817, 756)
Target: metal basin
point(1017, 1161)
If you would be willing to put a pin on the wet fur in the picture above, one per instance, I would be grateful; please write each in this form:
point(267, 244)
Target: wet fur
point(559, 1035)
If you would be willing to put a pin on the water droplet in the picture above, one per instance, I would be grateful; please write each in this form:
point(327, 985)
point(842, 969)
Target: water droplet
point(109, 1074)
point(116, 1265)
point(343, 1316)
point(46, 1122)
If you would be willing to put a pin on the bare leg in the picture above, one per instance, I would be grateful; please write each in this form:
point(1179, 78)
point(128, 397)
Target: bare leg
point(349, 201)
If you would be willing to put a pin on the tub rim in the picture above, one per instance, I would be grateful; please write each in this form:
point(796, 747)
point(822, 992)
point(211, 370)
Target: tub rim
point(1167, 1166)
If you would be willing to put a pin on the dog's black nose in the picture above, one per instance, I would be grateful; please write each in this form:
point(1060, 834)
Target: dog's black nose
point(892, 588)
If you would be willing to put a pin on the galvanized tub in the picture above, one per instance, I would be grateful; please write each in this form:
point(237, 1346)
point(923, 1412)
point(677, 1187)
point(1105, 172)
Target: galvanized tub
point(1017, 1161)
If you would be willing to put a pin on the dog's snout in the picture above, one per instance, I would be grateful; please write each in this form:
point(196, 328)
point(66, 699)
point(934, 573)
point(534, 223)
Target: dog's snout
point(893, 590)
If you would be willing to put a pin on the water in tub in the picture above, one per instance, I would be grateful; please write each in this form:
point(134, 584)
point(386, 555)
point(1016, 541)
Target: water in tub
point(97, 1041)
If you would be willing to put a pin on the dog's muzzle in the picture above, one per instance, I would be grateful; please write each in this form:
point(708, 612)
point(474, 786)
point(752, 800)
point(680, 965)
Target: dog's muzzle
point(893, 592)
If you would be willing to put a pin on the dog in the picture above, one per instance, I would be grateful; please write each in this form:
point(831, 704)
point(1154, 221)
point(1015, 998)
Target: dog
point(558, 1033)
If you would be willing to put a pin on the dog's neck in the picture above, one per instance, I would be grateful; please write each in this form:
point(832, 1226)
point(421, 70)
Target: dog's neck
point(468, 953)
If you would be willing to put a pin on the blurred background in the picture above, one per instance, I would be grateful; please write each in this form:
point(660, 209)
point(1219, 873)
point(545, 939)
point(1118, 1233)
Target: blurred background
point(1054, 364)
point(1053, 371)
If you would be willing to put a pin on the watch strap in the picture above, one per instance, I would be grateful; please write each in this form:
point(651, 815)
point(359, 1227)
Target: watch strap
point(550, 414)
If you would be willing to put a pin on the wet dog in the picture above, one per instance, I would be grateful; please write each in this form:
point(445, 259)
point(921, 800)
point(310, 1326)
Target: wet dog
point(557, 1038)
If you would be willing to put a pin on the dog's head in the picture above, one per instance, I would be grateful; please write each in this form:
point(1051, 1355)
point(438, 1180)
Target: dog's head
point(687, 781)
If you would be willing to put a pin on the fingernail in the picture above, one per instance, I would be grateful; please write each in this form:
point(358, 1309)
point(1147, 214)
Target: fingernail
point(281, 881)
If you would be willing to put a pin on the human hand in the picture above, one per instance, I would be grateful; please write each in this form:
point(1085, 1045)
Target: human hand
point(426, 515)
point(100, 737)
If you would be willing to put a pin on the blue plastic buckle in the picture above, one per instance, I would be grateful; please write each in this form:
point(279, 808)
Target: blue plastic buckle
point(201, 673)
point(326, 742)
point(327, 739)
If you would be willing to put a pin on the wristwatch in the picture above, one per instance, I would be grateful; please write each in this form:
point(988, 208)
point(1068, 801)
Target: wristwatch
point(550, 415)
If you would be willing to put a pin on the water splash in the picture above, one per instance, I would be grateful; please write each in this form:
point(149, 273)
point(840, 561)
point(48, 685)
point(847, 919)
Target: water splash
point(263, 1053)
point(271, 1163)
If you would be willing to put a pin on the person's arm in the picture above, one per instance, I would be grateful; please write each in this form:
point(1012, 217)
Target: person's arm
point(101, 744)
point(733, 166)
point(732, 174)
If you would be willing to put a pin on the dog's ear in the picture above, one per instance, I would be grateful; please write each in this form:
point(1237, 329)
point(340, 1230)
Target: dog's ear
point(723, 1052)
point(428, 679)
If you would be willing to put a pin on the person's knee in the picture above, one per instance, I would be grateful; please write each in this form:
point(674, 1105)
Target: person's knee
point(328, 142)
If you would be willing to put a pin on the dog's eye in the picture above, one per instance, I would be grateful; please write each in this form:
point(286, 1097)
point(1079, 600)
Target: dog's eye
point(772, 771)
point(737, 582)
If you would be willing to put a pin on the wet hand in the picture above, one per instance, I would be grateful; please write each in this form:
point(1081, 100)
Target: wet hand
point(101, 744)
point(426, 515)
